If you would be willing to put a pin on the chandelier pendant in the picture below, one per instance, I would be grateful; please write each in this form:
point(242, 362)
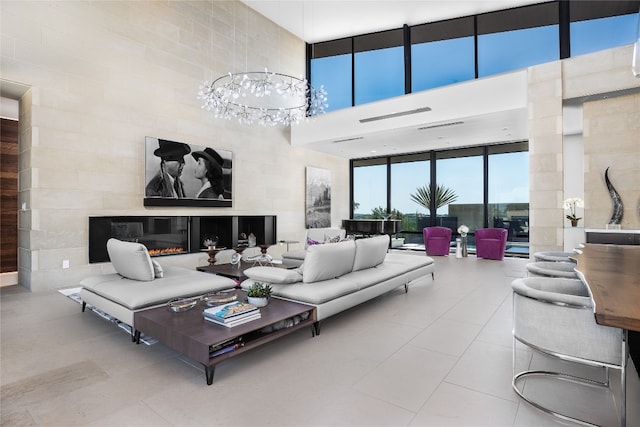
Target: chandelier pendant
point(267, 98)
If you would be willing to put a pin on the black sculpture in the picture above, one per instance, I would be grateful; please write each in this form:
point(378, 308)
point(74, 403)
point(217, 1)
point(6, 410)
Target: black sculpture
point(616, 217)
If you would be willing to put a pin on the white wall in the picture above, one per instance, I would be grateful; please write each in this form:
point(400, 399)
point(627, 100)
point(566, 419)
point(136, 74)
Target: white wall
point(102, 76)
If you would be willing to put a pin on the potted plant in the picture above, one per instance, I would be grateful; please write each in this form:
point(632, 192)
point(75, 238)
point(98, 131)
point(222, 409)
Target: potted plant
point(258, 294)
point(570, 205)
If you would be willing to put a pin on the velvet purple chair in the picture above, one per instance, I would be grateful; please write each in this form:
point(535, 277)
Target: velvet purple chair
point(491, 242)
point(437, 240)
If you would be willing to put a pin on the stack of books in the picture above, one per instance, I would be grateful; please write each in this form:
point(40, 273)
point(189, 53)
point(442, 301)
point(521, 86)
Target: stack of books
point(232, 314)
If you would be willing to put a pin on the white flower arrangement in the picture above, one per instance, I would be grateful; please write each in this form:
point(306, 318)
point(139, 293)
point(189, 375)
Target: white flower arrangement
point(463, 230)
point(570, 205)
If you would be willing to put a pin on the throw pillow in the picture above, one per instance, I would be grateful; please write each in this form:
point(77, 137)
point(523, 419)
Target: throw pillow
point(130, 260)
point(273, 275)
point(329, 239)
point(311, 242)
point(158, 272)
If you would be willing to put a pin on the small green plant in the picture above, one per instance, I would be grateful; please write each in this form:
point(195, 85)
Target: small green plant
point(259, 290)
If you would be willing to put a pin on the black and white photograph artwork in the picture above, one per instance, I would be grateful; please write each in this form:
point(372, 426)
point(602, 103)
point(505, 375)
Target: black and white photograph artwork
point(318, 198)
point(181, 174)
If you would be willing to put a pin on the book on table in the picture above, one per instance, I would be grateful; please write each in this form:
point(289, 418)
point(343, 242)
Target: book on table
point(232, 314)
point(230, 309)
point(234, 321)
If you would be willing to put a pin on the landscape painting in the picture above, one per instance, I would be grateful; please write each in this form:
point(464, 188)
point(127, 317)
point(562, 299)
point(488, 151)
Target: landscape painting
point(181, 174)
point(318, 198)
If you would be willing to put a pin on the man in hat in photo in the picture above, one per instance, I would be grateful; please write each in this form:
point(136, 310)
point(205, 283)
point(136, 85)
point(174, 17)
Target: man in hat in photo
point(167, 183)
point(209, 171)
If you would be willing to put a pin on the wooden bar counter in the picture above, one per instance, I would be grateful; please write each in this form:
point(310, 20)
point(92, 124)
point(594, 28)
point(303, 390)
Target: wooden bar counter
point(612, 274)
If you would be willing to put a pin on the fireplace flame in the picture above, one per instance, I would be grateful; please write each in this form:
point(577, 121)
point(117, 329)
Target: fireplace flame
point(166, 251)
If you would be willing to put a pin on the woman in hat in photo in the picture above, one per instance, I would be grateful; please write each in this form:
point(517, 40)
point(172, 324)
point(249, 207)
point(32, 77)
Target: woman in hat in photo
point(209, 172)
point(167, 183)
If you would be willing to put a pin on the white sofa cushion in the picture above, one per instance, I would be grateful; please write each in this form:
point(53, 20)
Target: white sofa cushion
point(370, 252)
point(130, 260)
point(177, 282)
point(324, 262)
point(273, 275)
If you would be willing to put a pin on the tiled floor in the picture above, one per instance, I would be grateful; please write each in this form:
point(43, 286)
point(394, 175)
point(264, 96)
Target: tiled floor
point(439, 355)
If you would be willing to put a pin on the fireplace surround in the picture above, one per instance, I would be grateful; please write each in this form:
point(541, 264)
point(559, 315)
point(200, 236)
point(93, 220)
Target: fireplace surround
point(173, 235)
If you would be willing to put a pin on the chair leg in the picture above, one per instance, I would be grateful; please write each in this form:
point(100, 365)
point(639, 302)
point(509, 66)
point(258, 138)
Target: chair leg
point(566, 377)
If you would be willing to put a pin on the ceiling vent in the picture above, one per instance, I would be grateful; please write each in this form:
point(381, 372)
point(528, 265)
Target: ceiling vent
point(392, 115)
point(441, 125)
point(348, 139)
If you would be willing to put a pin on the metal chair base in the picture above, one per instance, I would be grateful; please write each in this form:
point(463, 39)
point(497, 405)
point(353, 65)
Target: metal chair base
point(560, 376)
point(567, 377)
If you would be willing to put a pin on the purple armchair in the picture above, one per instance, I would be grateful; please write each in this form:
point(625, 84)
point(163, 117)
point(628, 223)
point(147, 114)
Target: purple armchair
point(437, 240)
point(491, 242)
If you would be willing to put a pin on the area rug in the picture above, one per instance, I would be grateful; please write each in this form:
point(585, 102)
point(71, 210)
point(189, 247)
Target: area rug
point(74, 294)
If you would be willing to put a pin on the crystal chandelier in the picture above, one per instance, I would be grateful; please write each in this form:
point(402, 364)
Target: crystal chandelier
point(268, 98)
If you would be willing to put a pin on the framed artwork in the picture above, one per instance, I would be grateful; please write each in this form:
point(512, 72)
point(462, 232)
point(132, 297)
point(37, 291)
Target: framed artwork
point(180, 174)
point(318, 198)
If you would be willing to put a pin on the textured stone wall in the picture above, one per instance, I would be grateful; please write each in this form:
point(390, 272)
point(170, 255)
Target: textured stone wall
point(102, 76)
point(545, 157)
point(612, 140)
point(611, 137)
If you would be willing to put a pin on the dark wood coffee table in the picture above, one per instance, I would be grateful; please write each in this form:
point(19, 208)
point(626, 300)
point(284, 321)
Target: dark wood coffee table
point(236, 272)
point(188, 333)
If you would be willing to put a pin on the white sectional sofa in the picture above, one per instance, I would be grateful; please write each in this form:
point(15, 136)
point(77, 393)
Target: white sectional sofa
point(338, 276)
point(141, 283)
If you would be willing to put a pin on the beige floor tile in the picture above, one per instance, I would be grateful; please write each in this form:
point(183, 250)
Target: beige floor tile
point(447, 336)
point(451, 405)
point(437, 355)
point(408, 377)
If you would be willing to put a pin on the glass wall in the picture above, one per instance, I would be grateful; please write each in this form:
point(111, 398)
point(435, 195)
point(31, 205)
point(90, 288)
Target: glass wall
point(410, 176)
point(442, 53)
point(369, 188)
point(599, 25)
point(334, 73)
point(378, 66)
point(461, 172)
point(479, 187)
point(395, 62)
point(517, 38)
point(508, 167)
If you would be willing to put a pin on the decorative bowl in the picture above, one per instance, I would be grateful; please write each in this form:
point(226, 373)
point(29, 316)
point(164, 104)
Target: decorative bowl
point(217, 298)
point(182, 304)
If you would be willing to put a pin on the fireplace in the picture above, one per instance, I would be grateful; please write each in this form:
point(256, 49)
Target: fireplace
point(172, 235)
point(160, 234)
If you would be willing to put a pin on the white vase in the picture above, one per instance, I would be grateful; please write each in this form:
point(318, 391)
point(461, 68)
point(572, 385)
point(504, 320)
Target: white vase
point(258, 301)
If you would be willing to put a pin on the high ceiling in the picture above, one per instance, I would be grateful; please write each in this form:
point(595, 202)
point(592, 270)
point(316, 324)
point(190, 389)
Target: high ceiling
point(321, 20)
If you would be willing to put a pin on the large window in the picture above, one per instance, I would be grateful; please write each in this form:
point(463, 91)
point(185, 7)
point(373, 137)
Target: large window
point(509, 192)
point(442, 53)
point(479, 187)
point(460, 172)
point(598, 25)
point(379, 66)
point(517, 38)
point(334, 73)
point(410, 176)
point(331, 68)
point(369, 188)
